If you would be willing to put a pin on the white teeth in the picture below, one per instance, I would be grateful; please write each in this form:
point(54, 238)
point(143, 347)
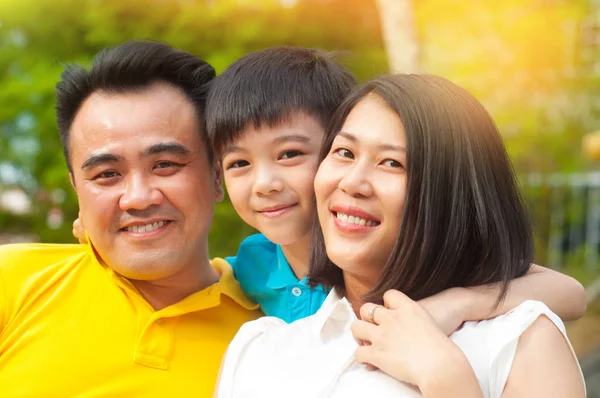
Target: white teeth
point(355, 220)
point(146, 228)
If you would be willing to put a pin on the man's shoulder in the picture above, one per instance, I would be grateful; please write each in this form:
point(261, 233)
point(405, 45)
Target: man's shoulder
point(28, 257)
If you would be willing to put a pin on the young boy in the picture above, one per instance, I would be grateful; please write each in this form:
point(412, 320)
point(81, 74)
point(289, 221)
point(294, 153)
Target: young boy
point(266, 116)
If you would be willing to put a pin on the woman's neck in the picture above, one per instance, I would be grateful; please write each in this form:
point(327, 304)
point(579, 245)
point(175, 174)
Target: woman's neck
point(296, 255)
point(356, 288)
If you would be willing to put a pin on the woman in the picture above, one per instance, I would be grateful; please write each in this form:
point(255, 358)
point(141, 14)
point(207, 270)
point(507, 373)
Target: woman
point(414, 176)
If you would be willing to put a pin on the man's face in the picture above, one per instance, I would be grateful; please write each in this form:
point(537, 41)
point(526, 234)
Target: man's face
point(145, 187)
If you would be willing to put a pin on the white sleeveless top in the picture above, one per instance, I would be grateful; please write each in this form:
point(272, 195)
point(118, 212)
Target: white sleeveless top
point(314, 356)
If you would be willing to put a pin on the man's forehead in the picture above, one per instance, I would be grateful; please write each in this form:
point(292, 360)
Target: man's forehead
point(157, 104)
point(107, 117)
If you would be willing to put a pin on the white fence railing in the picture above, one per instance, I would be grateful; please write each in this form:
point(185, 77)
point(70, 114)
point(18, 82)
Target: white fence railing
point(565, 209)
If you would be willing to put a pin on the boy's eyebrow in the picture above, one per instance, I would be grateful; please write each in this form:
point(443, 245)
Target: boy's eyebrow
point(383, 147)
point(279, 140)
point(228, 149)
point(100, 158)
point(171, 147)
point(291, 137)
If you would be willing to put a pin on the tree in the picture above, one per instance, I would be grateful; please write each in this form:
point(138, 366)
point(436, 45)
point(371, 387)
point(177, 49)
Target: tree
point(400, 35)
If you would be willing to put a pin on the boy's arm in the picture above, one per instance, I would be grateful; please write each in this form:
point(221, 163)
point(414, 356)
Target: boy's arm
point(564, 295)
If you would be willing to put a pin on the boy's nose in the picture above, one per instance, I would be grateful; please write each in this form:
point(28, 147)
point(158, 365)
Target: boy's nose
point(267, 182)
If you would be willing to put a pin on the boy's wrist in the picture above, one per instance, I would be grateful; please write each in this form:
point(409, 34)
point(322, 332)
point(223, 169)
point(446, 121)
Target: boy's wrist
point(474, 304)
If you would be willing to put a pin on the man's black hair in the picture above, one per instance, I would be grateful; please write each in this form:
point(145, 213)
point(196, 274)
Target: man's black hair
point(132, 66)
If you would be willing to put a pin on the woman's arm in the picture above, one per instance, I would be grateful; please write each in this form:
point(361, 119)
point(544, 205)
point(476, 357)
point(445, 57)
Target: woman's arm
point(564, 295)
point(544, 366)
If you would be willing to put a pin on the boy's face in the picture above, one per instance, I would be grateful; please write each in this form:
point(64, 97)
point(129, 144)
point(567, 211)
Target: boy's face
point(269, 174)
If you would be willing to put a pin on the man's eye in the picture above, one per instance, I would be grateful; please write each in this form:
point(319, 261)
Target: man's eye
point(345, 153)
point(165, 164)
point(105, 175)
point(238, 164)
point(391, 163)
point(290, 154)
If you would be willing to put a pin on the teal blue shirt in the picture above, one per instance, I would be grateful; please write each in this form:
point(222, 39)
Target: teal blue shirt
point(267, 278)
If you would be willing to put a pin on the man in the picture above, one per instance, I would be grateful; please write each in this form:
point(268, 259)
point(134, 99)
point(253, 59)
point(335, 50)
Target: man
point(140, 311)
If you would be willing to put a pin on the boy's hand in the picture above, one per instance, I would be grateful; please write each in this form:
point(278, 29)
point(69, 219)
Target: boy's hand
point(79, 231)
point(448, 308)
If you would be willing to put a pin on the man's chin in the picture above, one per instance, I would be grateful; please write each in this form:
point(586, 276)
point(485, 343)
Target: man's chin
point(147, 268)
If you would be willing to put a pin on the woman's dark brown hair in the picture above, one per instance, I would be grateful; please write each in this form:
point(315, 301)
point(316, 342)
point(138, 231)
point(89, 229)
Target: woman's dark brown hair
point(464, 221)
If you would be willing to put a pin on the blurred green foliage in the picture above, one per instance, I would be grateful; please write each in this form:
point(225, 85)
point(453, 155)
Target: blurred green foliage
point(520, 57)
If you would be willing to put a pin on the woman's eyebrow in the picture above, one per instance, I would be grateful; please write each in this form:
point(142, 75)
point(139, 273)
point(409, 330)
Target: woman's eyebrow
point(382, 147)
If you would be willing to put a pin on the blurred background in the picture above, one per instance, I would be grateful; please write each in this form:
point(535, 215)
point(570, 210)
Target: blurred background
point(535, 64)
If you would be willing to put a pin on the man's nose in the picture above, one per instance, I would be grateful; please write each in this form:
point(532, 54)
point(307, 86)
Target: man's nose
point(139, 194)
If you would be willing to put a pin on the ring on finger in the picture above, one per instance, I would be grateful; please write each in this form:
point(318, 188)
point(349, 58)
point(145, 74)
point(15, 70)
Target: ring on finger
point(371, 313)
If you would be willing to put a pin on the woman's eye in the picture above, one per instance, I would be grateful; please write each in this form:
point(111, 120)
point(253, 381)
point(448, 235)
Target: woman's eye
point(290, 154)
point(391, 163)
point(238, 164)
point(345, 153)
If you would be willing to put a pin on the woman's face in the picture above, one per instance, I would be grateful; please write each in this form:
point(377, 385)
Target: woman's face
point(360, 189)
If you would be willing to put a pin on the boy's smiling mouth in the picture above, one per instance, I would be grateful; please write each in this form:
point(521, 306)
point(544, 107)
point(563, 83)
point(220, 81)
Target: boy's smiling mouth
point(276, 211)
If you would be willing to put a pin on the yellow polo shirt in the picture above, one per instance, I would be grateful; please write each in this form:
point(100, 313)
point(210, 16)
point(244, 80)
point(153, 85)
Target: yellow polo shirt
point(72, 327)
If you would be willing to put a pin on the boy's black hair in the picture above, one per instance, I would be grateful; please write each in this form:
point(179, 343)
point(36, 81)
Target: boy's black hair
point(130, 67)
point(266, 86)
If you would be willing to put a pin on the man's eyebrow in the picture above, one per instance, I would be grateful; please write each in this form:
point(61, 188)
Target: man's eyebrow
point(100, 158)
point(171, 147)
point(383, 147)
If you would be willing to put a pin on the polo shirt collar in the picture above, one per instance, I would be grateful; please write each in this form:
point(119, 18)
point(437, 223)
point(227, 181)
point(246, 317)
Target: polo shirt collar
point(206, 298)
point(229, 286)
point(281, 275)
point(334, 309)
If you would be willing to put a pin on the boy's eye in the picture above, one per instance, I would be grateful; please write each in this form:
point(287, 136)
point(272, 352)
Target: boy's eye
point(345, 153)
point(290, 154)
point(391, 163)
point(238, 164)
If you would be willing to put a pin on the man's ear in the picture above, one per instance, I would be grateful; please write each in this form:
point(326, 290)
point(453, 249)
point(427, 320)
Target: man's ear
point(219, 194)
